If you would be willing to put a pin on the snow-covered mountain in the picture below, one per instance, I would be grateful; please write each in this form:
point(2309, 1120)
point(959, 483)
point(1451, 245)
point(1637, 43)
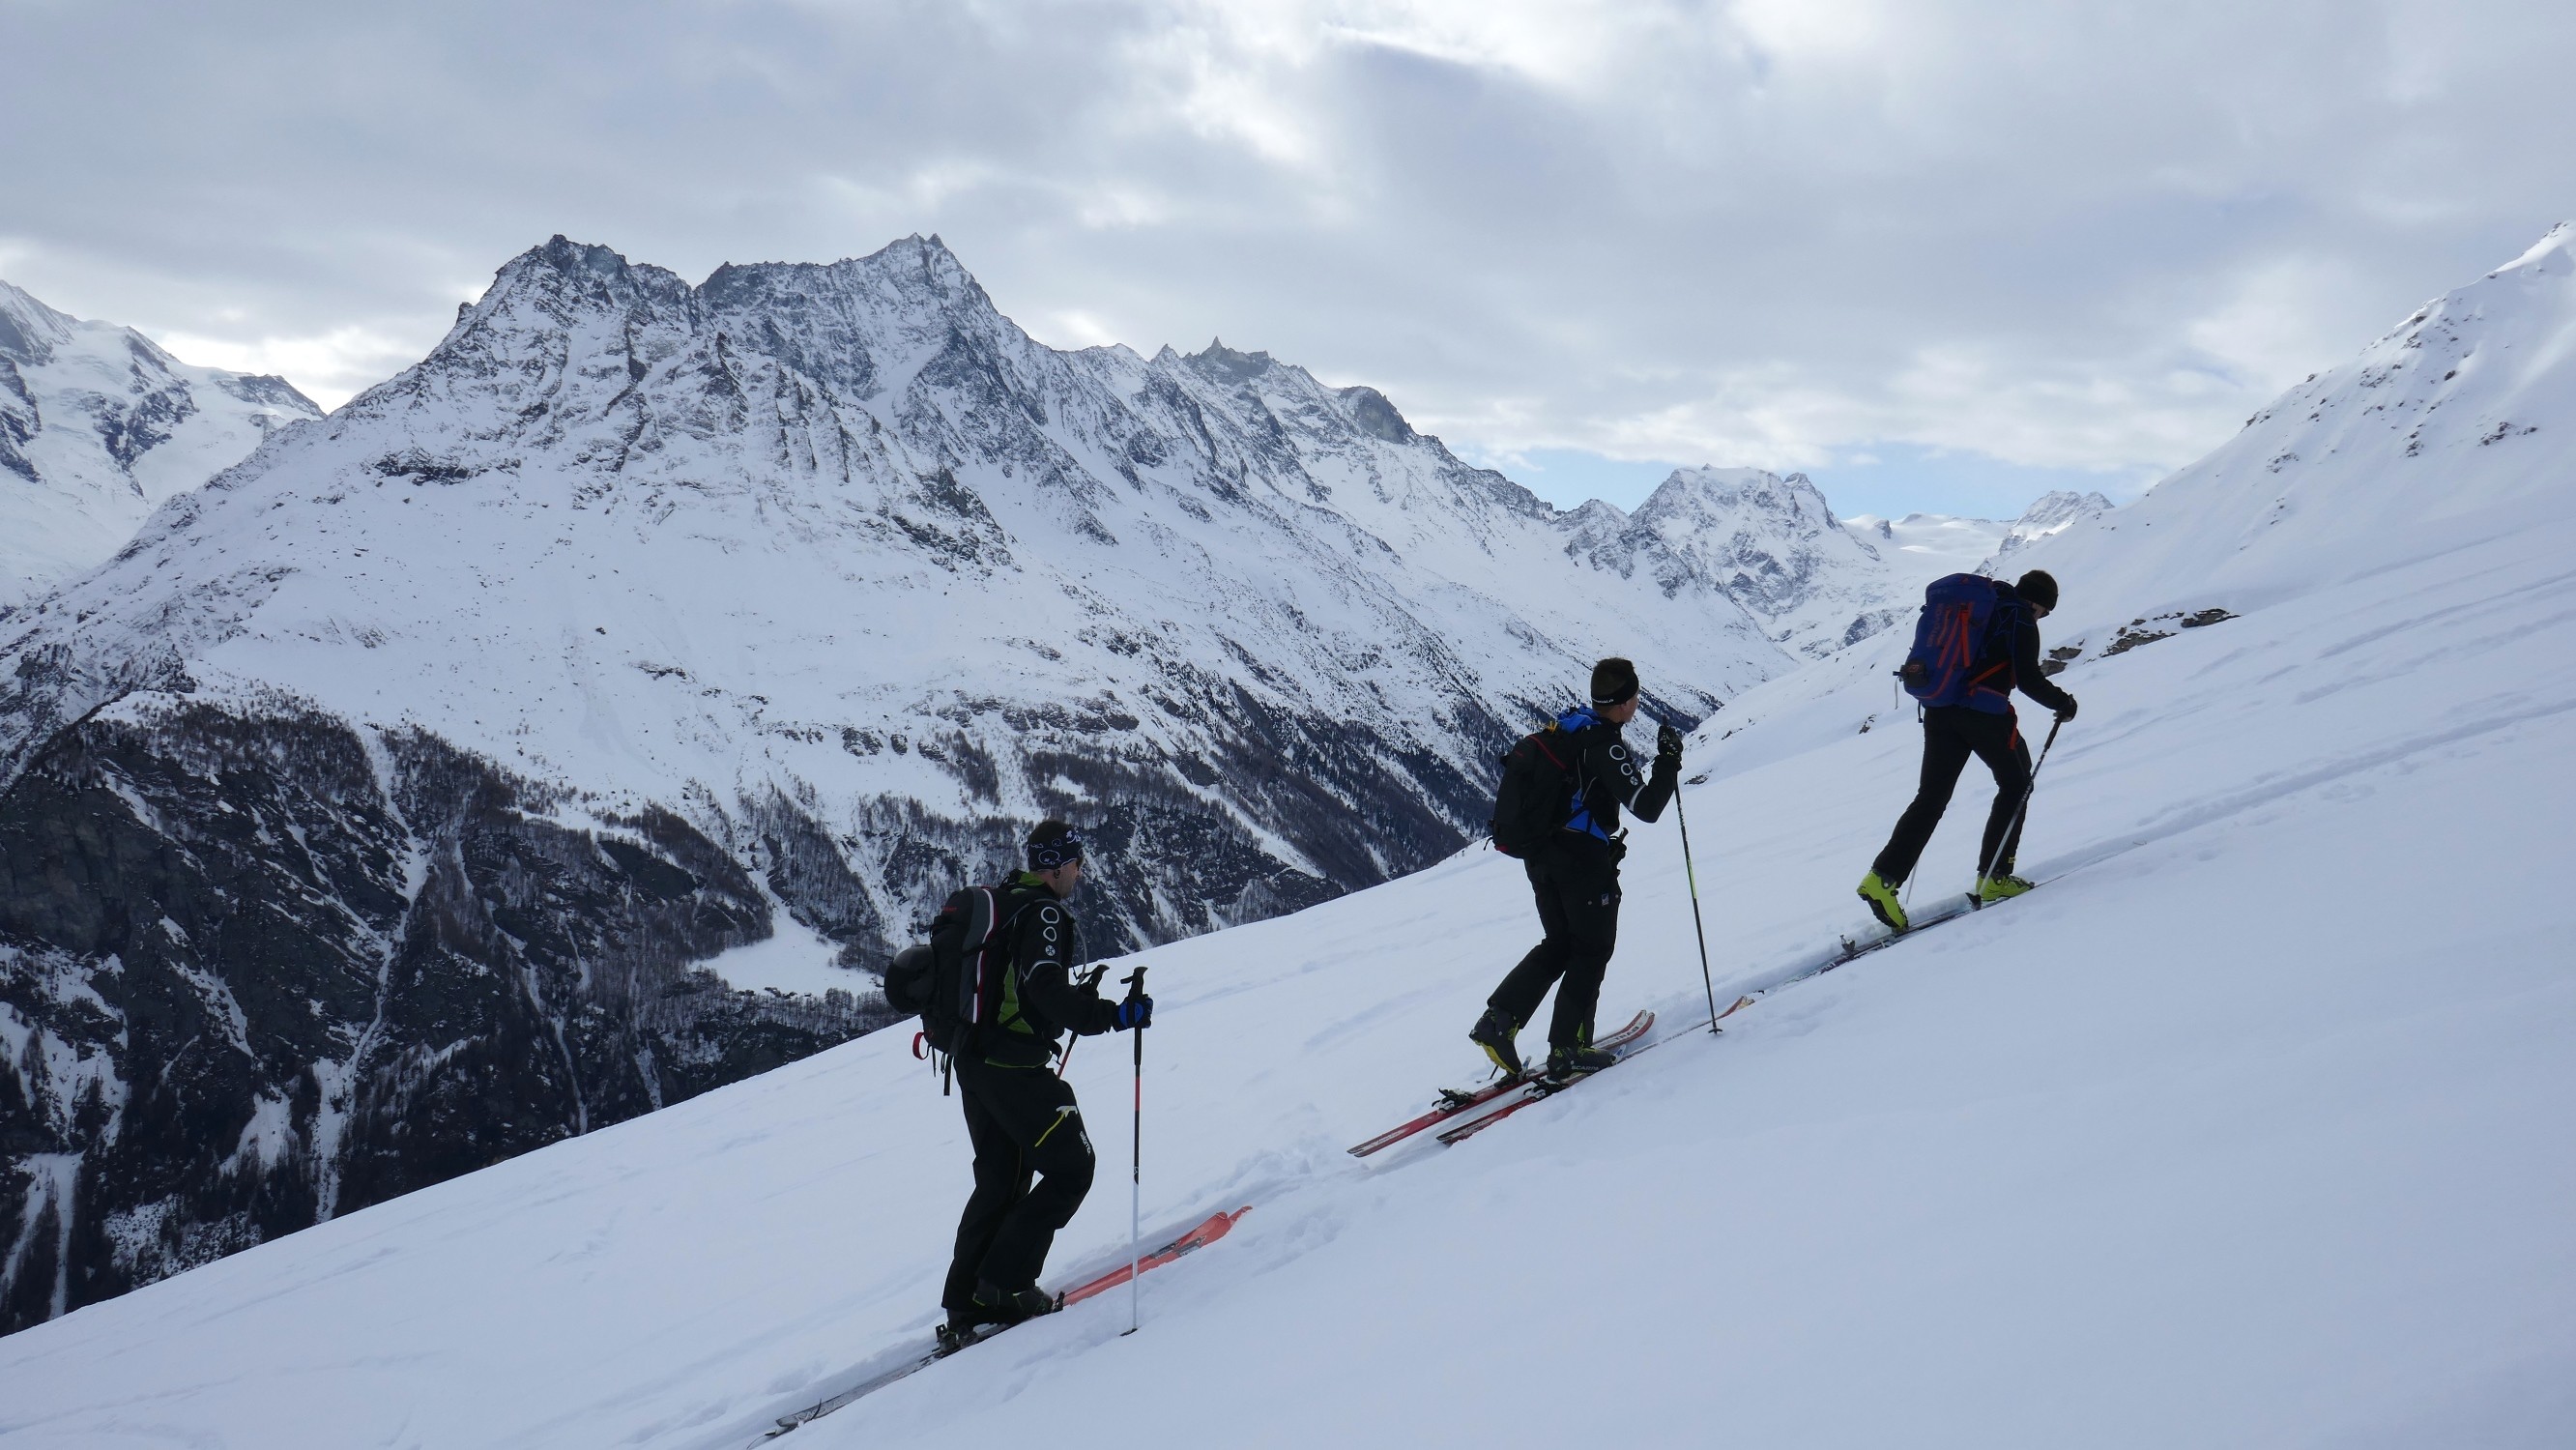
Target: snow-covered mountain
point(1920, 548)
point(97, 426)
point(367, 819)
point(2054, 513)
point(1772, 543)
point(2447, 432)
point(2215, 1139)
point(1818, 585)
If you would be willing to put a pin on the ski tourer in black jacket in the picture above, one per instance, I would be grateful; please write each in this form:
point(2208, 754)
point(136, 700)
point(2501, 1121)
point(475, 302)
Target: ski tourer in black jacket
point(1040, 1001)
point(1022, 1119)
point(2021, 669)
point(1575, 878)
point(1984, 726)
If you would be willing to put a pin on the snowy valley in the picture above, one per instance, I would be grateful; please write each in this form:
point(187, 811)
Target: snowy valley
point(2247, 1129)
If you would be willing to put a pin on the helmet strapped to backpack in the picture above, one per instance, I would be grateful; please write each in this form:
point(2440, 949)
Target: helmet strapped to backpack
point(1962, 641)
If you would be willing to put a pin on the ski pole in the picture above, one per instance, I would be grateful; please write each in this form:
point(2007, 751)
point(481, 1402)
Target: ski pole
point(1976, 899)
point(1691, 875)
point(1136, 1171)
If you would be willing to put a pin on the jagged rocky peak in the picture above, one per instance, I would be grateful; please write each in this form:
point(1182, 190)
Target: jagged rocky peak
point(1773, 539)
point(1376, 416)
point(29, 330)
point(1217, 360)
point(98, 424)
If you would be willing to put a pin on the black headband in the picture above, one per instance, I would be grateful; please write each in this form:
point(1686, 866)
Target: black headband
point(1054, 851)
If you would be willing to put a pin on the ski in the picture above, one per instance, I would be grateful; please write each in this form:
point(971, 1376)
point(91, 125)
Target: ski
point(1540, 1090)
point(1855, 948)
point(1454, 1102)
point(1215, 1226)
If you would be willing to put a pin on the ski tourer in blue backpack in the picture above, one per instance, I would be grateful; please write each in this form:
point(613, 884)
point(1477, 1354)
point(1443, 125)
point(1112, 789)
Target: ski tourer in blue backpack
point(1975, 643)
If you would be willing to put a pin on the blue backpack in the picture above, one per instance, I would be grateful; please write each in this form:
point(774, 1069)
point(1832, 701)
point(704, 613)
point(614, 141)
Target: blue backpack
point(1962, 642)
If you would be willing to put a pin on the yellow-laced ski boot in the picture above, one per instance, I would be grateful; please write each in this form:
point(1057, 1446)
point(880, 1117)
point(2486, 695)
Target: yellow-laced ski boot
point(1991, 889)
point(1883, 902)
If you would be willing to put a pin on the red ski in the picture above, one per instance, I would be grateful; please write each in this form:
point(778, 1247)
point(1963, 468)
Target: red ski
point(1541, 1090)
point(906, 1364)
point(1454, 1103)
point(1214, 1228)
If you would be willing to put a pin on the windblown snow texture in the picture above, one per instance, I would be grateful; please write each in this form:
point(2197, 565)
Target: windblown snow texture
point(367, 818)
point(97, 425)
point(2249, 1129)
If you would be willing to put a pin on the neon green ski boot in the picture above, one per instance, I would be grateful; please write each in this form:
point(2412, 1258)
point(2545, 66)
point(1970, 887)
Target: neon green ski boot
point(1883, 903)
point(1991, 889)
point(1495, 1032)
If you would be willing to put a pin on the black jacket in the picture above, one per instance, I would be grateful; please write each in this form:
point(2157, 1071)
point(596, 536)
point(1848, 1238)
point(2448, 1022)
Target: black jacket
point(1040, 1000)
point(2023, 672)
point(1606, 777)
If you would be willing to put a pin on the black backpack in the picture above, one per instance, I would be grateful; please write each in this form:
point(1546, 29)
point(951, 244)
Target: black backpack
point(1536, 797)
point(951, 981)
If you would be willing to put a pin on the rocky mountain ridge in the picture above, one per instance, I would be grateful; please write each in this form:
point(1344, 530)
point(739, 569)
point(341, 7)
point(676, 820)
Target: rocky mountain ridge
point(98, 425)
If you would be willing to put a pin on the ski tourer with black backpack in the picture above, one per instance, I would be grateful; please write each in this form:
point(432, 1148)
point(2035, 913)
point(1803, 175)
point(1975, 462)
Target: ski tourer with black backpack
point(948, 981)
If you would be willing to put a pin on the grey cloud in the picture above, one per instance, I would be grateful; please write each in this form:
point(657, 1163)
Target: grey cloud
point(1757, 232)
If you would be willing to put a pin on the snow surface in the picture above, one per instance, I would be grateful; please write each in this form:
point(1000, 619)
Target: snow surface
point(793, 958)
point(1920, 548)
point(2249, 1129)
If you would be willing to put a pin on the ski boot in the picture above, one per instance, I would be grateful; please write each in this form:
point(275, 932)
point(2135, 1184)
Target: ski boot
point(1565, 1063)
point(1496, 1033)
point(1991, 889)
point(957, 1333)
point(1012, 1306)
point(1883, 902)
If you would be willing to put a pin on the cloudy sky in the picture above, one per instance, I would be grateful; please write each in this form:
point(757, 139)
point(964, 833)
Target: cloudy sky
point(1942, 254)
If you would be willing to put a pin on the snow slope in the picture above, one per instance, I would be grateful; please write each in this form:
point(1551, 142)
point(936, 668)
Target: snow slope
point(97, 426)
point(2248, 1130)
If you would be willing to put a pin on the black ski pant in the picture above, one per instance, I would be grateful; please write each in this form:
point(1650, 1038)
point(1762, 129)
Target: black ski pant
point(1023, 1121)
point(1577, 885)
point(1952, 733)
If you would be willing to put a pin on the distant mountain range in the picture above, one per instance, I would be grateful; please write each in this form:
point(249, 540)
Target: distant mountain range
point(97, 426)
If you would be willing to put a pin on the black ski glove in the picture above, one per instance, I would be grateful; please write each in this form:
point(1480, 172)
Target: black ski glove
point(1668, 747)
point(2067, 711)
point(1135, 1012)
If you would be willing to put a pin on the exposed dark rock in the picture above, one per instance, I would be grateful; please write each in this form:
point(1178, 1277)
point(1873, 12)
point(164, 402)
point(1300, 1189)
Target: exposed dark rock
point(256, 971)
